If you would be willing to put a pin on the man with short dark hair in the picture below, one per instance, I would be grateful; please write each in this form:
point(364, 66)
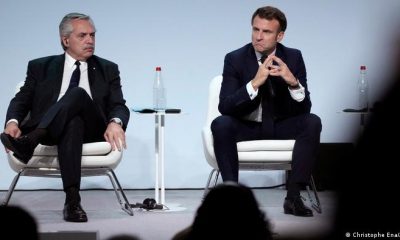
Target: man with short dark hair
point(264, 95)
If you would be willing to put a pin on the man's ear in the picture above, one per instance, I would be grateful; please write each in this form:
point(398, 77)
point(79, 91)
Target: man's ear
point(65, 42)
point(280, 36)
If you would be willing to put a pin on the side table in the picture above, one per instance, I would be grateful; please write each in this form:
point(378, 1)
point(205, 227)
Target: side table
point(159, 116)
point(363, 115)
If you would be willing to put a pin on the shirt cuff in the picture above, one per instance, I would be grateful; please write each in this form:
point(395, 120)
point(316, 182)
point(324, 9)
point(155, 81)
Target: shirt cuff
point(12, 120)
point(117, 120)
point(298, 94)
point(250, 90)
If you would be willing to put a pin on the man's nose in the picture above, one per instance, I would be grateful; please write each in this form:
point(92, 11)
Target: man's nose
point(259, 35)
point(90, 39)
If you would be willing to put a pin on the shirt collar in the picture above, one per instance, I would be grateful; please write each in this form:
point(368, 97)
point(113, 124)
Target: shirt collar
point(259, 55)
point(70, 62)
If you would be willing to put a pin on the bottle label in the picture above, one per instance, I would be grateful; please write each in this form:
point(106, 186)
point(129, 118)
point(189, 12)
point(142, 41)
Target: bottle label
point(159, 98)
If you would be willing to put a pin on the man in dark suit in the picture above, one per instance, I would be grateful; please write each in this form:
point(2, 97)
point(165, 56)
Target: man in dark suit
point(264, 95)
point(71, 99)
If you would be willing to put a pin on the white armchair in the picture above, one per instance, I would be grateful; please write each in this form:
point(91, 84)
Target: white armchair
point(253, 155)
point(97, 159)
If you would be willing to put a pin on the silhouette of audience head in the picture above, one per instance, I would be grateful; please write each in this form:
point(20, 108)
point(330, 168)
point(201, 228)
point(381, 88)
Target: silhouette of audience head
point(229, 211)
point(124, 237)
point(12, 217)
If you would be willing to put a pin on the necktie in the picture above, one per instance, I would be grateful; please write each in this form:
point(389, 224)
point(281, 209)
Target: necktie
point(268, 82)
point(267, 94)
point(76, 76)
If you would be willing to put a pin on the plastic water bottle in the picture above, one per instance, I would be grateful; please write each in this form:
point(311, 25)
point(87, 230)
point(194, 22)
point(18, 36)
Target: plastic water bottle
point(159, 95)
point(363, 89)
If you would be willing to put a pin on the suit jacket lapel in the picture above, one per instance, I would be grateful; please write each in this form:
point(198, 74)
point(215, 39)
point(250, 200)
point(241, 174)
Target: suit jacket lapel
point(92, 68)
point(251, 62)
point(57, 70)
point(279, 52)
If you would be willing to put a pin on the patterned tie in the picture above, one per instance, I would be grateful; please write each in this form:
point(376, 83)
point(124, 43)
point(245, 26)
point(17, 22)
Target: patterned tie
point(76, 76)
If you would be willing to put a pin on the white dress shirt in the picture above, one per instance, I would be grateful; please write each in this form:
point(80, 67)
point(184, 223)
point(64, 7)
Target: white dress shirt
point(69, 67)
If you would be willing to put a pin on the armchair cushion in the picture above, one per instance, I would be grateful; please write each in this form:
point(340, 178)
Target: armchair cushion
point(94, 155)
point(265, 145)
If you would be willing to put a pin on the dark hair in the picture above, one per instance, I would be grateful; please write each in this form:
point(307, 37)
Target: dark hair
point(230, 211)
point(270, 13)
point(124, 237)
point(14, 216)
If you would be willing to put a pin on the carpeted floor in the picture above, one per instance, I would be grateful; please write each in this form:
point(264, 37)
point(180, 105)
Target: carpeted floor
point(106, 218)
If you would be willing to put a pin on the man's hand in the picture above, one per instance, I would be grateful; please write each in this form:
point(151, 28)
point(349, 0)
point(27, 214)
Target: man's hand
point(283, 71)
point(13, 130)
point(115, 135)
point(262, 73)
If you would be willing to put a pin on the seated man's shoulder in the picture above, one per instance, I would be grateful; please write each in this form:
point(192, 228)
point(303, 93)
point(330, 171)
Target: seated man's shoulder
point(241, 50)
point(288, 50)
point(101, 61)
point(46, 60)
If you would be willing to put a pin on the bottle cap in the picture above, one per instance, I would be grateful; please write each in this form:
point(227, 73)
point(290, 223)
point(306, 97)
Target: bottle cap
point(363, 67)
point(158, 68)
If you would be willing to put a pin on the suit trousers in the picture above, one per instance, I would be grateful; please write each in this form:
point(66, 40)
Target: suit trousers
point(304, 128)
point(70, 122)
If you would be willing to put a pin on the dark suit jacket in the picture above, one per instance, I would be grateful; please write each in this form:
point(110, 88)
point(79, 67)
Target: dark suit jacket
point(43, 83)
point(240, 67)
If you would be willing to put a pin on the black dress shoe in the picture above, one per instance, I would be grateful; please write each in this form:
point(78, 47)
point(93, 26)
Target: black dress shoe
point(296, 207)
point(73, 212)
point(22, 147)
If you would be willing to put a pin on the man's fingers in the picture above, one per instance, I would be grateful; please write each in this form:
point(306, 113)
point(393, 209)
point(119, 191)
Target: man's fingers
point(274, 70)
point(118, 144)
point(268, 61)
point(110, 141)
point(277, 60)
point(122, 141)
point(116, 137)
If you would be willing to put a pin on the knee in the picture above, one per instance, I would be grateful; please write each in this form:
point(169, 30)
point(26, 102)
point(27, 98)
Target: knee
point(75, 124)
point(79, 93)
point(222, 124)
point(314, 123)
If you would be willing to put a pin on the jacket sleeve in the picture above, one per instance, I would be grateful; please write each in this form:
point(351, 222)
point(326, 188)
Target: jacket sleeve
point(116, 104)
point(234, 98)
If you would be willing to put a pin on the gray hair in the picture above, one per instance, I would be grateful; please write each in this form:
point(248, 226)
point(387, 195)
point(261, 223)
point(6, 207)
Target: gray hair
point(65, 27)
